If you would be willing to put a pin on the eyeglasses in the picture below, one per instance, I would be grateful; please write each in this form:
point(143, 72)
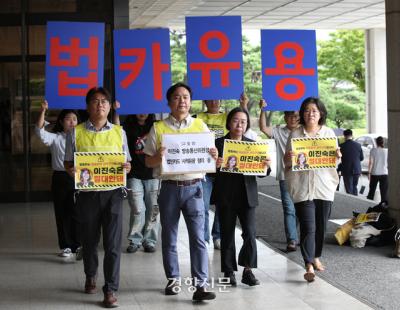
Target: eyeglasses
point(99, 101)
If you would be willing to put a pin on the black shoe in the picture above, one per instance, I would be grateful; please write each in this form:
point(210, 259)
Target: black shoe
point(231, 277)
point(173, 287)
point(201, 294)
point(149, 248)
point(132, 248)
point(249, 278)
point(291, 246)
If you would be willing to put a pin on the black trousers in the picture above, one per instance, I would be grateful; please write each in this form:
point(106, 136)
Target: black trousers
point(62, 187)
point(313, 218)
point(101, 211)
point(228, 213)
point(383, 186)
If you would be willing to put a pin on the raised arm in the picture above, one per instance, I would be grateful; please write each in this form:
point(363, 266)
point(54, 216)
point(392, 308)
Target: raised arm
point(43, 108)
point(262, 121)
point(116, 106)
point(244, 101)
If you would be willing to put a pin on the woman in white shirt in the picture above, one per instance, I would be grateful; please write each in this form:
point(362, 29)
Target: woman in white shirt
point(312, 191)
point(378, 170)
point(62, 185)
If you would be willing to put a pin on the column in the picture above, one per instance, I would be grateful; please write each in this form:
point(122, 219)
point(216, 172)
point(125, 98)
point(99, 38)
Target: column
point(393, 95)
point(375, 50)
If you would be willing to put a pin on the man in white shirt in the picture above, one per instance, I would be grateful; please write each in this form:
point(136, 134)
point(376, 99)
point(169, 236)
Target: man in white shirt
point(281, 134)
point(180, 193)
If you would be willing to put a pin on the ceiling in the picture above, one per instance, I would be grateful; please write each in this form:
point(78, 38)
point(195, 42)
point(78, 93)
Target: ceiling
point(262, 14)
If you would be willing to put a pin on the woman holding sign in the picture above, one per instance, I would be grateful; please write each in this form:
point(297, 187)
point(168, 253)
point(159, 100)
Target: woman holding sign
point(312, 190)
point(235, 196)
point(62, 185)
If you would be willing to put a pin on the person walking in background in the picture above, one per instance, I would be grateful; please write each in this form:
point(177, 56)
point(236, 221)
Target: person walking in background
point(144, 221)
point(99, 211)
point(312, 191)
point(235, 196)
point(378, 170)
point(62, 185)
point(352, 156)
point(281, 134)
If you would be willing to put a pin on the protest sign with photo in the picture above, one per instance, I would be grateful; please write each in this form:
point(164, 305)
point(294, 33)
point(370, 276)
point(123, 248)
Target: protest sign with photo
point(244, 157)
point(187, 153)
point(314, 153)
point(99, 170)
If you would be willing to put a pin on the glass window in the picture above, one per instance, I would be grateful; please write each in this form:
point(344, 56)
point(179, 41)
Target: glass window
point(11, 35)
point(43, 6)
point(11, 138)
point(10, 6)
point(37, 40)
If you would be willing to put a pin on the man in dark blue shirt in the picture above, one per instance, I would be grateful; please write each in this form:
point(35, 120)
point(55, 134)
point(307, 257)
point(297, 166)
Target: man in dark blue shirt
point(352, 156)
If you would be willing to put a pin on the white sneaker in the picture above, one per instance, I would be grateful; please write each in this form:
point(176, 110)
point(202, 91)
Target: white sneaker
point(217, 244)
point(79, 253)
point(65, 252)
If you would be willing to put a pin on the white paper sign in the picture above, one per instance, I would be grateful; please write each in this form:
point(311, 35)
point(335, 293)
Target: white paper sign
point(187, 153)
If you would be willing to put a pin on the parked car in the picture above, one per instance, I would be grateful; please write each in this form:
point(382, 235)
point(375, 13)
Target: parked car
point(368, 141)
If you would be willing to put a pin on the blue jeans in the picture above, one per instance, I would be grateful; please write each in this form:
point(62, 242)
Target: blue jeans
point(188, 200)
point(144, 221)
point(208, 184)
point(289, 213)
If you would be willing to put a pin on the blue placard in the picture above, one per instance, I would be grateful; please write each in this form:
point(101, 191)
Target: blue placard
point(142, 70)
point(289, 68)
point(74, 62)
point(214, 56)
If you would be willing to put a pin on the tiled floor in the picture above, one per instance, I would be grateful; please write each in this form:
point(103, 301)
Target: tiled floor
point(33, 277)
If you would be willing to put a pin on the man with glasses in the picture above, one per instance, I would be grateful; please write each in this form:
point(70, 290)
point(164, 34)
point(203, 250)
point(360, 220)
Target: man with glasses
point(281, 134)
point(99, 210)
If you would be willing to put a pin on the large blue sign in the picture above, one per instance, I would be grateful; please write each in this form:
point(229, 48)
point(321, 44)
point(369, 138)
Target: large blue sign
point(289, 68)
point(142, 70)
point(214, 57)
point(74, 62)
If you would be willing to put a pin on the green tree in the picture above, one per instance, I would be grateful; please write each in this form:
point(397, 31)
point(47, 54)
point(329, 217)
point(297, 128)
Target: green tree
point(346, 107)
point(178, 56)
point(341, 58)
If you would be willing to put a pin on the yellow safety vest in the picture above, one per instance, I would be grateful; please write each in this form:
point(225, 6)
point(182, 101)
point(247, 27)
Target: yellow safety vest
point(162, 128)
point(99, 141)
point(215, 122)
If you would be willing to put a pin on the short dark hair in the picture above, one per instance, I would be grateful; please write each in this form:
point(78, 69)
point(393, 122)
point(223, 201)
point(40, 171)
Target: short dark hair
point(233, 112)
point(172, 89)
point(58, 127)
point(132, 122)
point(287, 113)
point(97, 90)
point(380, 141)
point(348, 133)
point(320, 106)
